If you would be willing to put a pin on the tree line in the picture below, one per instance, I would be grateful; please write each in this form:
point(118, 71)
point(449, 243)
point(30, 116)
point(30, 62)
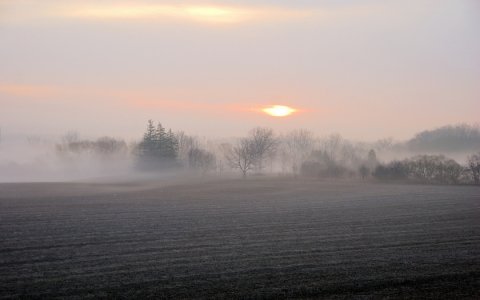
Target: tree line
point(431, 169)
point(298, 153)
point(446, 139)
point(72, 147)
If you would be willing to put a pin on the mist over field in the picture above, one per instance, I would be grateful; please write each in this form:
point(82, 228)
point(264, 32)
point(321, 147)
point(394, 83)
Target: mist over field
point(266, 215)
point(71, 157)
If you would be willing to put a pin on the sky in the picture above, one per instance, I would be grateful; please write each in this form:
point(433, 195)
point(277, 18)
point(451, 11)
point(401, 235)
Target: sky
point(364, 69)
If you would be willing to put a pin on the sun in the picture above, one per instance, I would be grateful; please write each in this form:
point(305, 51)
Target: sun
point(278, 110)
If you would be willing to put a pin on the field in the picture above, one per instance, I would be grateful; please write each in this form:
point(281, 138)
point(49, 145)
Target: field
point(257, 238)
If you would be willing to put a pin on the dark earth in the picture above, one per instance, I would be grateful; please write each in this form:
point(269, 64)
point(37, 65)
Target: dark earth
point(260, 238)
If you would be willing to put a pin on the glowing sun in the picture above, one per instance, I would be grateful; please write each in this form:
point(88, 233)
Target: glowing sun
point(279, 110)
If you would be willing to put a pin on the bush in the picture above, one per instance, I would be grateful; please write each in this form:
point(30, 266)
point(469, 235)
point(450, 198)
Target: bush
point(422, 168)
point(321, 169)
point(395, 170)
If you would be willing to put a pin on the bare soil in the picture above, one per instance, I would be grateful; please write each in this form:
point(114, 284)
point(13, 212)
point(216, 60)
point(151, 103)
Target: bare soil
point(261, 238)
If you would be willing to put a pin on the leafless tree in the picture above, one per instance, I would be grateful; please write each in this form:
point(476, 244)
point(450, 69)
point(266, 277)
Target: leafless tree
point(105, 148)
point(383, 144)
point(263, 144)
point(423, 168)
point(339, 151)
point(70, 137)
point(451, 172)
point(299, 145)
point(242, 156)
point(108, 147)
point(331, 146)
point(474, 167)
point(349, 153)
point(224, 149)
point(284, 157)
point(202, 160)
point(185, 144)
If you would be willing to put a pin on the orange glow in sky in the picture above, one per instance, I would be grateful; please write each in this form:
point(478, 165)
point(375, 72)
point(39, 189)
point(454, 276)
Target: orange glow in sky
point(279, 110)
point(198, 13)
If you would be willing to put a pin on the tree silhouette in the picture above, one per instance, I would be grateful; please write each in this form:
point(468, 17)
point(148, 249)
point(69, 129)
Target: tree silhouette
point(158, 146)
point(242, 156)
point(474, 167)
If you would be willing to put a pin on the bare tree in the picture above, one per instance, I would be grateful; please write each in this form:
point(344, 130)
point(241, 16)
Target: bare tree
point(108, 147)
point(451, 172)
point(72, 147)
point(70, 137)
point(242, 156)
point(224, 151)
point(185, 144)
point(383, 144)
point(331, 146)
point(202, 160)
point(299, 145)
point(263, 144)
point(285, 158)
point(474, 167)
point(422, 168)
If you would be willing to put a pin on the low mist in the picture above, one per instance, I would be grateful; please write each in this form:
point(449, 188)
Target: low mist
point(64, 159)
point(163, 152)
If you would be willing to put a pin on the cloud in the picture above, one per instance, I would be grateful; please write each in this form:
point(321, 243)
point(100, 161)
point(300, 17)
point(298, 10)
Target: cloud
point(212, 12)
point(28, 90)
point(127, 98)
point(152, 100)
point(151, 11)
point(205, 13)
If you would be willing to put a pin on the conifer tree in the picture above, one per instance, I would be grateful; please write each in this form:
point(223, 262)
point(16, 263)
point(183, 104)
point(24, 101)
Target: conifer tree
point(160, 141)
point(171, 145)
point(147, 146)
point(159, 147)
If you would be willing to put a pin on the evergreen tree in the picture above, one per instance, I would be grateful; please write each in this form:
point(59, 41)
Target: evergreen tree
point(159, 147)
point(147, 145)
point(160, 141)
point(372, 161)
point(171, 145)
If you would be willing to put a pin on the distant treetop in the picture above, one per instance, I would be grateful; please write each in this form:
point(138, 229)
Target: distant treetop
point(451, 138)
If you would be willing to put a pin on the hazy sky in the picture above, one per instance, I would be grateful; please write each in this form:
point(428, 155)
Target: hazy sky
point(365, 69)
